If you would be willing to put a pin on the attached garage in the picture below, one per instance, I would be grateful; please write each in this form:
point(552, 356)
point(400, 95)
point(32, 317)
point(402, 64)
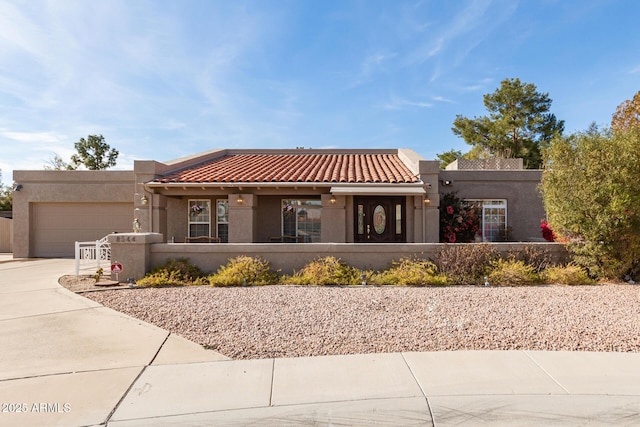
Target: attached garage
point(57, 226)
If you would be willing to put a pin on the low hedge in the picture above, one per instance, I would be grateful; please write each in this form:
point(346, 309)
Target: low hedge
point(510, 271)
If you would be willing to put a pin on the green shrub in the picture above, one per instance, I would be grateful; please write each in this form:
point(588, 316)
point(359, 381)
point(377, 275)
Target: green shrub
point(409, 272)
point(571, 274)
point(598, 261)
point(175, 272)
point(507, 272)
point(326, 271)
point(465, 264)
point(244, 270)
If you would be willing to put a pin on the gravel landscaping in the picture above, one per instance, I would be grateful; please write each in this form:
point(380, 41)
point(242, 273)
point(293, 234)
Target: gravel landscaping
point(292, 321)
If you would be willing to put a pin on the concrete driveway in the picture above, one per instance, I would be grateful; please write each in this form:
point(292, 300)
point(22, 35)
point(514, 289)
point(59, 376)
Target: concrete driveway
point(66, 360)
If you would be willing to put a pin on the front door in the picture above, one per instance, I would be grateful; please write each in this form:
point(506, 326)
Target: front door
point(379, 219)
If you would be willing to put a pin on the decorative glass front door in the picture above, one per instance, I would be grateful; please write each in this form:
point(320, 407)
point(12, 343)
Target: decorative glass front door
point(379, 219)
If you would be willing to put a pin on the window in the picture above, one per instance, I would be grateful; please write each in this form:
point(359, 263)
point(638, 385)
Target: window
point(493, 221)
point(301, 219)
point(199, 218)
point(222, 219)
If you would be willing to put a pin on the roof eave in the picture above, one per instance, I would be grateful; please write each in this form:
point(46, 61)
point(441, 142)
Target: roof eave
point(244, 184)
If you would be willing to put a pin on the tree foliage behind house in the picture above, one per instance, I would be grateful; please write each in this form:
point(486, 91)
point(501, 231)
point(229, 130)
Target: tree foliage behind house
point(57, 164)
point(627, 115)
point(591, 192)
point(6, 196)
point(448, 157)
point(94, 153)
point(519, 123)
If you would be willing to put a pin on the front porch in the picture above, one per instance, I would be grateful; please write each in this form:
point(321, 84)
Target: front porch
point(293, 218)
point(302, 196)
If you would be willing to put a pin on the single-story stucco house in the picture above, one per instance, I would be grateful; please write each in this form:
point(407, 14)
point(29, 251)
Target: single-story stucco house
point(268, 196)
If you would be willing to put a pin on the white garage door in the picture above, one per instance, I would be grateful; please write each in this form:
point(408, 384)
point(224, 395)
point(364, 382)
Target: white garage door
point(57, 226)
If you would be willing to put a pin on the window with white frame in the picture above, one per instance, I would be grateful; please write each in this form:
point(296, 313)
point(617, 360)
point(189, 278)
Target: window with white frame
point(301, 219)
point(493, 220)
point(222, 220)
point(199, 218)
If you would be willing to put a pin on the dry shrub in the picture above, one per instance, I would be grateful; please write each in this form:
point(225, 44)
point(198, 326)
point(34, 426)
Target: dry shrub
point(537, 257)
point(325, 271)
point(409, 272)
point(465, 264)
point(510, 272)
point(244, 270)
point(571, 274)
point(174, 272)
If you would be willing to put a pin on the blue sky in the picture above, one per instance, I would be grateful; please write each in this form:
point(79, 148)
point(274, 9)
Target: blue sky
point(164, 79)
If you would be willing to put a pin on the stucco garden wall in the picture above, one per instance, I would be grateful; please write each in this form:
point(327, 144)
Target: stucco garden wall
point(284, 257)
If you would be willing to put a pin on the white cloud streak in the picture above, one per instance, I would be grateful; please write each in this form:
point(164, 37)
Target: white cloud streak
point(398, 103)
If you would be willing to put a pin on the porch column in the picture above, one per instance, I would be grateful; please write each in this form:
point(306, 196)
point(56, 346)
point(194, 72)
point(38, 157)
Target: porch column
point(133, 251)
point(429, 173)
point(333, 227)
point(159, 214)
point(243, 220)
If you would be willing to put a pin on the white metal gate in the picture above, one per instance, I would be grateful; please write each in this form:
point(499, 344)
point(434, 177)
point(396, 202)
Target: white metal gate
point(93, 255)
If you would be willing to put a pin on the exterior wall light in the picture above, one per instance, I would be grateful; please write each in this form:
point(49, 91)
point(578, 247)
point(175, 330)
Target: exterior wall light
point(427, 200)
point(240, 200)
point(17, 187)
point(333, 200)
point(144, 199)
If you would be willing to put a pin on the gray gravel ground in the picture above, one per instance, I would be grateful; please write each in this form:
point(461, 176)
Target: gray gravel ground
point(292, 321)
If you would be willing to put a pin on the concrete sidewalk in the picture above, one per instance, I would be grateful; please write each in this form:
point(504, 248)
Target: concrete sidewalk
point(66, 360)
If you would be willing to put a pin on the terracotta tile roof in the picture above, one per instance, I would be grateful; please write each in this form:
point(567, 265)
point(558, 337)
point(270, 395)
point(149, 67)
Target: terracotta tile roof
point(329, 168)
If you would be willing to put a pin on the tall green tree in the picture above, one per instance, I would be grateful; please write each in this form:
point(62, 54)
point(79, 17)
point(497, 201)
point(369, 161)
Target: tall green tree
point(591, 192)
point(519, 123)
point(94, 153)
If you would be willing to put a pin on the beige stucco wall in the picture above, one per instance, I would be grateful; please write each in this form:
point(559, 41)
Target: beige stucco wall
point(268, 217)
point(63, 187)
point(334, 219)
point(133, 252)
point(520, 188)
point(428, 224)
point(6, 235)
point(291, 257)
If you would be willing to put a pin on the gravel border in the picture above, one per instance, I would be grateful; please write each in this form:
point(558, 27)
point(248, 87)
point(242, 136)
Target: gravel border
point(294, 321)
point(87, 283)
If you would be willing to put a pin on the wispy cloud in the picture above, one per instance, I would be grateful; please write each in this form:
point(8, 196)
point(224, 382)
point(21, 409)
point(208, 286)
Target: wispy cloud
point(398, 103)
point(44, 138)
point(448, 44)
point(371, 65)
point(482, 84)
point(33, 149)
point(442, 99)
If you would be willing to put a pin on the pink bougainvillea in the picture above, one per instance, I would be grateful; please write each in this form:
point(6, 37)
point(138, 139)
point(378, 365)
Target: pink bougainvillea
point(459, 220)
point(547, 232)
